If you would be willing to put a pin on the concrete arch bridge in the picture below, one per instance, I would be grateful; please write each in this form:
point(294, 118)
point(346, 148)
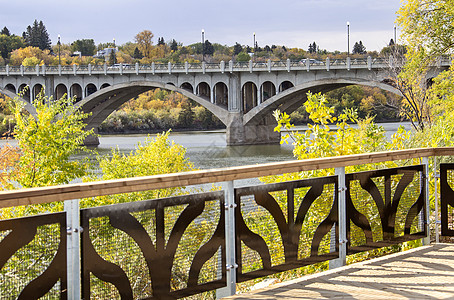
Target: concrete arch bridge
point(241, 95)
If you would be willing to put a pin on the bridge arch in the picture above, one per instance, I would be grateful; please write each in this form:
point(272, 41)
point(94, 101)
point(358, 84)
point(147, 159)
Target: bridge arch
point(203, 90)
point(37, 88)
point(291, 98)
point(267, 90)
point(104, 101)
point(221, 94)
point(60, 91)
point(187, 86)
point(10, 87)
point(285, 85)
point(76, 91)
point(104, 85)
point(90, 89)
point(23, 88)
point(248, 96)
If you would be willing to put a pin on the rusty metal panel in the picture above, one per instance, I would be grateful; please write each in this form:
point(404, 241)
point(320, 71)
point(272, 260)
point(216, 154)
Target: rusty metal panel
point(156, 249)
point(286, 225)
point(447, 199)
point(385, 207)
point(33, 257)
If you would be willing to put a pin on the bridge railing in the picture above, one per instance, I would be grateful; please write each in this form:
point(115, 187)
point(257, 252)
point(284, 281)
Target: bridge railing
point(289, 65)
point(201, 241)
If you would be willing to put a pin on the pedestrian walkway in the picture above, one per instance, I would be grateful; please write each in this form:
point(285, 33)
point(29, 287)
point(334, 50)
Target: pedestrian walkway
point(423, 273)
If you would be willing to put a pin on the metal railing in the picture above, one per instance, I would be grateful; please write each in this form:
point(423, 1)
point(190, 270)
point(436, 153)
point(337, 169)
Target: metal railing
point(305, 64)
point(205, 241)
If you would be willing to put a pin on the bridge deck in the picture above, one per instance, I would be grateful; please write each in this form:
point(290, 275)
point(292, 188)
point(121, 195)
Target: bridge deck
point(423, 273)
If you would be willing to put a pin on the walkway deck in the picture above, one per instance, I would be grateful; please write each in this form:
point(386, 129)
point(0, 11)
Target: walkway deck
point(423, 273)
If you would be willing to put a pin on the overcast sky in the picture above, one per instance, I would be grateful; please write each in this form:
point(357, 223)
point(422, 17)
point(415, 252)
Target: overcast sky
point(294, 23)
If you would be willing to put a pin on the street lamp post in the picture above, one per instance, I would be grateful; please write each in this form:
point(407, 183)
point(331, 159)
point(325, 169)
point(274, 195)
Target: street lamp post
point(253, 47)
point(59, 44)
point(203, 45)
point(348, 39)
point(395, 35)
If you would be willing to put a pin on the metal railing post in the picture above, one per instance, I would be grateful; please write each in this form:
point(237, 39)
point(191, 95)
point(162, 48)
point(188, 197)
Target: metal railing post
point(342, 208)
point(230, 206)
point(73, 248)
point(425, 161)
point(437, 221)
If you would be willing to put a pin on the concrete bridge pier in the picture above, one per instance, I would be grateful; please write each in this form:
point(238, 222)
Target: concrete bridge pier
point(92, 139)
point(251, 134)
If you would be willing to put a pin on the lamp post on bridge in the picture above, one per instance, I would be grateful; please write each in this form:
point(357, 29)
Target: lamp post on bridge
point(59, 44)
point(348, 39)
point(203, 45)
point(253, 47)
point(395, 35)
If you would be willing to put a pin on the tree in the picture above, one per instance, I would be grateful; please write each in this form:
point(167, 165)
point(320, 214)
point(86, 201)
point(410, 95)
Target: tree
point(161, 41)
point(46, 143)
point(137, 54)
point(312, 48)
point(144, 41)
point(86, 46)
point(37, 36)
point(5, 31)
point(173, 45)
point(9, 43)
point(112, 58)
point(428, 33)
point(359, 48)
point(209, 49)
point(237, 48)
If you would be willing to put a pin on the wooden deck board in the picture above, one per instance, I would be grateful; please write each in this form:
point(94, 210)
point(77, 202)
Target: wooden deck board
point(423, 273)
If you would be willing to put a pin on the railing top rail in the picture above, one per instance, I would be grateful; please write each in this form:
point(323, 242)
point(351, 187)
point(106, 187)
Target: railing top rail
point(100, 188)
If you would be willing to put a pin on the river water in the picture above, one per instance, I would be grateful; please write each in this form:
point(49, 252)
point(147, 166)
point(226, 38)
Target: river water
point(208, 149)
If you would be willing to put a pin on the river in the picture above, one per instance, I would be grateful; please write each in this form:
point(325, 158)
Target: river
point(208, 149)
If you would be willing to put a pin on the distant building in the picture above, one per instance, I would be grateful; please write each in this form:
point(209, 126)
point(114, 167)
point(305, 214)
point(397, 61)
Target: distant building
point(105, 52)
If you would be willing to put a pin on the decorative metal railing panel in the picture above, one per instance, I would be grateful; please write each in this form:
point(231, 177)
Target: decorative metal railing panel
point(284, 226)
point(33, 257)
point(154, 249)
point(447, 199)
point(383, 207)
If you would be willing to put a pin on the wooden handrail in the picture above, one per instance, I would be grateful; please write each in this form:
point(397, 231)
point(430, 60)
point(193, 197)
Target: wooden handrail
point(118, 186)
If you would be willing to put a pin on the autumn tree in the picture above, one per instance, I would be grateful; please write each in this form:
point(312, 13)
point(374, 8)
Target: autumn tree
point(37, 36)
point(46, 143)
point(144, 40)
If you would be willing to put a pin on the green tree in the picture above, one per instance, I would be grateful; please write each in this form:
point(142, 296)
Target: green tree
point(359, 48)
point(237, 48)
point(9, 43)
point(243, 56)
point(209, 49)
point(137, 54)
point(46, 142)
point(428, 34)
point(313, 48)
point(37, 36)
point(5, 31)
point(86, 46)
point(173, 45)
point(112, 58)
point(186, 115)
